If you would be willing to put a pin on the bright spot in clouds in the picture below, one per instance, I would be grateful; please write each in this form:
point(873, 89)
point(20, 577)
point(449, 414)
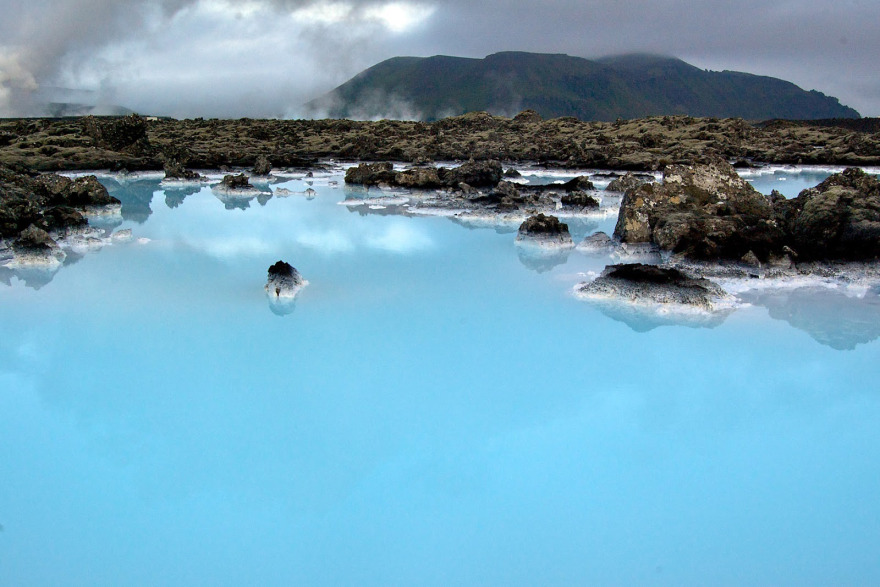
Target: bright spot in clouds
point(323, 13)
point(400, 16)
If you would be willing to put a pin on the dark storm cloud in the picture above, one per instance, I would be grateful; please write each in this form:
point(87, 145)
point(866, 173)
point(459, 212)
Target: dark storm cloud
point(162, 56)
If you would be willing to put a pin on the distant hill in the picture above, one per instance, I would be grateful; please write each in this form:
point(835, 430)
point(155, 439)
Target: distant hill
point(627, 86)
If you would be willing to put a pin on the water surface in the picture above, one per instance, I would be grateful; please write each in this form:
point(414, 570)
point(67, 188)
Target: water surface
point(436, 408)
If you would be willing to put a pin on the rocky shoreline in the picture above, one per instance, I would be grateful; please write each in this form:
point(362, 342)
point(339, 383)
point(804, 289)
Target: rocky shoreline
point(138, 143)
point(685, 210)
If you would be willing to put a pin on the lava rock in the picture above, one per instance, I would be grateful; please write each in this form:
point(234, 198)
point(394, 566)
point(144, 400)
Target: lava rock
point(284, 280)
point(579, 184)
point(478, 174)
point(370, 174)
point(544, 231)
point(598, 242)
point(704, 211)
point(175, 170)
point(627, 182)
point(236, 182)
point(419, 178)
point(579, 200)
point(262, 166)
point(838, 219)
point(649, 284)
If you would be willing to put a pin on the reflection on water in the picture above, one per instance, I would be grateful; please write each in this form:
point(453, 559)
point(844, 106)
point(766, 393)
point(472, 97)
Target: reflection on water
point(645, 318)
point(829, 316)
point(542, 259)
point(136, 196)
point(174, 197)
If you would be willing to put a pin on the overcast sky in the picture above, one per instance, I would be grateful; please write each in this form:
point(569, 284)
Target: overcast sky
point(190, 58)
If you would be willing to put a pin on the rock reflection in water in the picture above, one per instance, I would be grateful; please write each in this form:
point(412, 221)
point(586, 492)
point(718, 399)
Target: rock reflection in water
point(174, 197)
point(136, 197)
point(542, 259)
point(281, 306)
point(647, 318)
point(829, 316)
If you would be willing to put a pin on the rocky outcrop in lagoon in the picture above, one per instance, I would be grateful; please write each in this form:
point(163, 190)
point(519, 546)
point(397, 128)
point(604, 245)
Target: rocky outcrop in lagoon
point(284, 281)
point(475, 174)
point(544, 231)
point(649, 285)
point(838, 219)
point(52, 203)
point(707, 212)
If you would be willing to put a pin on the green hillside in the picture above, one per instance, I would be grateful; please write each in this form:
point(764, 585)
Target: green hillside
point(628, 86)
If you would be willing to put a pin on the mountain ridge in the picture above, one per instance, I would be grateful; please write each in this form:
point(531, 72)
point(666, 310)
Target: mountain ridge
point(624, 86)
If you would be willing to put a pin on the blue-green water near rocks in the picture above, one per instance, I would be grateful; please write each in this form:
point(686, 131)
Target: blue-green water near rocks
point(436, 409)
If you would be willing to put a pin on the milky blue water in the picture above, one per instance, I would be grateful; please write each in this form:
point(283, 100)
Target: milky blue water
point(437, 409)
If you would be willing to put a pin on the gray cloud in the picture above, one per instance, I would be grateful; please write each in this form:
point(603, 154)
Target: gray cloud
point(210, 58)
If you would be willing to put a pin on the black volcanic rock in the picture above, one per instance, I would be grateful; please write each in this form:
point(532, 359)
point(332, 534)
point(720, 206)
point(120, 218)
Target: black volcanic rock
point(174, 169)
point(283, 280)
point(262, 166)
point(118, 134)
point(369, 174)
point(703, 211)
point(649, 284)
point(236, 182)
point(838, 219)
point(34, 239)
point(579, 200)
point(49, 202)
point(544, 230)
point(476, 174)
point(627, 182)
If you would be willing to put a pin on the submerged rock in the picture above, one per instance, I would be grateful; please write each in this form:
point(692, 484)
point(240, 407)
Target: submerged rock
point(545, 231)
point(284, 281)
point(596, 243)
point(648, 285)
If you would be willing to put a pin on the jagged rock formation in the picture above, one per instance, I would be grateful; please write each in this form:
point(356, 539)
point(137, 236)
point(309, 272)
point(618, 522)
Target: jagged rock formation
point(708, 212)
point(838, 219)
point(48, 202)
point(702, 211)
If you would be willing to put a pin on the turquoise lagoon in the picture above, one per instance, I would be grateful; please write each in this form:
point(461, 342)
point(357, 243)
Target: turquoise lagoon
point(437, 408)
